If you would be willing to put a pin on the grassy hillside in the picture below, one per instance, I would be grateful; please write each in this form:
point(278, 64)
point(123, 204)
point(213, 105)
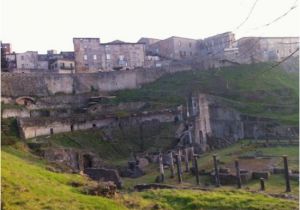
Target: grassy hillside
point(249, 88)
point(27, 185)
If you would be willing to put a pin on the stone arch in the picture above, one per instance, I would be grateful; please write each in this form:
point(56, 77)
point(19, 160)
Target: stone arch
point(87, 161)
point(25, 100)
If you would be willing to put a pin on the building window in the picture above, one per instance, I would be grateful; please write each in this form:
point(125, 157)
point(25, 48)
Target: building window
point(121, 57)
point(277, 51)
point(108, 56)
point(85, 57)
point(71, 65)
point(190, 45)
point(179, 43)
point(95, 57)
point(22, 57)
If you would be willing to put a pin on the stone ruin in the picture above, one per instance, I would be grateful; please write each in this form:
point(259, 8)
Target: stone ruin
point(78, 160)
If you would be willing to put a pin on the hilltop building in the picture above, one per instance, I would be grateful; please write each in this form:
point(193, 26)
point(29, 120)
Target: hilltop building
point(175, 48)
point(92, 56)
point(262, 49)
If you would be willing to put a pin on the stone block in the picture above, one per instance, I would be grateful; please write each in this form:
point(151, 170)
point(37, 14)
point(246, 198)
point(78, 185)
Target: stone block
point(260, 174)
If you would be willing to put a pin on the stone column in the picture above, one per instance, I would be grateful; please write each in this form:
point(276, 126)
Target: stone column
point(238, 174)
point(172, 165)
point(186, 159)
point(161, 169)
point(217, 178)
point(178, 163)
point(286, 174)
point(262, 184)
point(196, 169)
point(179, 158)
point(192, 155)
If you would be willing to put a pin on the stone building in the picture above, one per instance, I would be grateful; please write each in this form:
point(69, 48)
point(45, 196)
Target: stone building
point(89, 56)
point(27, 60)
point(218, 44)
point(5, 48)
point(92, 56)
point(262, 49)
point(123, 55)
point(148, 42)
point(31, 60)
point(63, 66)
point(176, 48)
point(11, 60)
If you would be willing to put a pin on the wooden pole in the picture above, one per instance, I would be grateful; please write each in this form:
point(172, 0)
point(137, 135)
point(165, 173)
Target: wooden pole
point(262, 184)
point(217, 180)
point(238, 174)
point(178, 163)
point(172, 169)
point(186, 159)
point(286, 173)
point(196, 169)
point(161, 169)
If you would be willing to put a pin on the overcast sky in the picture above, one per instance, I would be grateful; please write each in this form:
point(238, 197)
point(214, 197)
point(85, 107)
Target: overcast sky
point(51, 24)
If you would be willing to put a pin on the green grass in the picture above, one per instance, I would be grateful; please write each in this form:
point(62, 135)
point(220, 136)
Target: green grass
point(212, 200)
point(227, 156)
point(27, 185)
point(122, 144)
point(248, 88)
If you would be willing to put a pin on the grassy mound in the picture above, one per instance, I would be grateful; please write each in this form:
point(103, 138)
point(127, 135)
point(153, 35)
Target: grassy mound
point(249, 88)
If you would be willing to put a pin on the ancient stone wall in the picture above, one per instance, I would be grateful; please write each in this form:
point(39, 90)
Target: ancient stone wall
point(7, 113)
point(39, 126)
point(45, 84)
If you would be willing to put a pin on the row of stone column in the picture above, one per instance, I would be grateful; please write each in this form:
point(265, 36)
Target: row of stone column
point(262, 182)
point(194, 157)
point(188, 155)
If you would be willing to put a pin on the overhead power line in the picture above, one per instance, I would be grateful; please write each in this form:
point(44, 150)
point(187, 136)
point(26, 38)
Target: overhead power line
point(294, 6)
point(248, 16)
point(277, 64)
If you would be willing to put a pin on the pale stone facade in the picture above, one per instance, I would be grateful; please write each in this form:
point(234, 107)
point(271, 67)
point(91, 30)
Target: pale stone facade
point(148, 42)
point(218, 44)
point(88, 55)
point(31, 60)
point(91, 56)
point(63, 66)
point(176, 48)
point(121, 55)
point(262, 49)
point(27, 60)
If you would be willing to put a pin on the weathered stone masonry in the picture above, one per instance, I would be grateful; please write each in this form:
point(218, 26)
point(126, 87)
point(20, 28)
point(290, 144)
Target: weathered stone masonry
point(33, 127)
point(14, 85)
